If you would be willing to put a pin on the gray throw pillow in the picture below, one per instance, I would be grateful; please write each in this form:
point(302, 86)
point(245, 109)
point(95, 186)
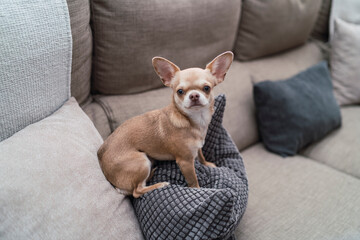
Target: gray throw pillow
point(295, 112)
point(345, 62)
point(210, 212)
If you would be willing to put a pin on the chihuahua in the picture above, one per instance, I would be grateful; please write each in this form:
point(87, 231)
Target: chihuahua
point(176, 132)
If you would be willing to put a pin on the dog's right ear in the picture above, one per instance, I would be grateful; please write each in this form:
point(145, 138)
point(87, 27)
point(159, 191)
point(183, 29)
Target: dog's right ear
point(165, 69)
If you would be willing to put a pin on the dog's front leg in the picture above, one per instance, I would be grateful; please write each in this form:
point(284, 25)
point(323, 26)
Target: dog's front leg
point(187, 168)
point(203, 161)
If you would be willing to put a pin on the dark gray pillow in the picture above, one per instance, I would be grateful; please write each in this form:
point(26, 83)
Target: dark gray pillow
point(210, 212)
point(295, 112)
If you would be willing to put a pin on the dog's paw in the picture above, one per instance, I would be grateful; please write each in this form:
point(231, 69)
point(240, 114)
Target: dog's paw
point(164, 184)
point(209, 164)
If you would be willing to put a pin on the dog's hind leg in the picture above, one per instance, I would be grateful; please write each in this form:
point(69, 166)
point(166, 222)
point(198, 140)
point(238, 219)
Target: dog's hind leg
point(145, 174)
point(142, 189)
point(203, 161)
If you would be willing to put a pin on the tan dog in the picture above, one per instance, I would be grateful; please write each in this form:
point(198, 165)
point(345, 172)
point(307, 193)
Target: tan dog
point(175, 132)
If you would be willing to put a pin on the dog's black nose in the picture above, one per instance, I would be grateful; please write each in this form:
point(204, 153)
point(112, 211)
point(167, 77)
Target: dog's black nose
point(194, 96)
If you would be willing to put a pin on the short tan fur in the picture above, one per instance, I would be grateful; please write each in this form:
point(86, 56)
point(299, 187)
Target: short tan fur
point(176, 132)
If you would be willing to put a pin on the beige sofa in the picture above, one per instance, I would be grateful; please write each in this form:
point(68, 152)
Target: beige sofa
point(313, 195)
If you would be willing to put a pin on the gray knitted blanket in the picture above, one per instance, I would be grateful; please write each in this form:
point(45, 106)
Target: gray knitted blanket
point(211, 212)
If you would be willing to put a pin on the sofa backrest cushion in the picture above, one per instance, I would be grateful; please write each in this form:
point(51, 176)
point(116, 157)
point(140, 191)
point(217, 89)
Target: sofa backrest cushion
point(128, 34)
point(35, 62)
point(268, 27)
point(345, 62)
point(79, 11)
point(321, 27)
point(347, 10)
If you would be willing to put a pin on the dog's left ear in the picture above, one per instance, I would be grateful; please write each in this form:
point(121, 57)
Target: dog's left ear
point(220, 65)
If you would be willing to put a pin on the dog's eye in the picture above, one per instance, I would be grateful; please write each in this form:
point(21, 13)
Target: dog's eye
point(180, 91)
point(206, 88)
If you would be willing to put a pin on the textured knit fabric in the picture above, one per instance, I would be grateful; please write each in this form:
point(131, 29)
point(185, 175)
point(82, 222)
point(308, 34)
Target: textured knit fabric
point(52, 187)
point(296, 112)
point(128, 34)
point(210, 212)
point(35, 61)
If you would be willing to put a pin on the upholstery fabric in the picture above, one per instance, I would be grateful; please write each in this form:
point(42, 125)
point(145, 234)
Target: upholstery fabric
point(286, 64)
point(210, 212)
point(297, 198)
point(52, 187)
point(128, 34)
point(347, 10)
point(79, 11)
point(35, 61)
point(239, 119)
point(345, 62)
point(340, 149)
point(297, 111)
point(121, 108)
point(98, 116)
point(321, 27)
point(268, 27)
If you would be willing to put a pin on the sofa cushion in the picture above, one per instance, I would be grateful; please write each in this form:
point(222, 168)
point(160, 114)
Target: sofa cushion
point(345, 62)
point(122, 107)
point(348, 10)
point(210, 212)
point(298, 199)
point(297, 111)
point(79, 11)
point(51, 184)
point(321, 27)
point(35, 62)
point(340, 149)
point(268, 27)
point(97, 115)
point(285, 64)
point(128, 34)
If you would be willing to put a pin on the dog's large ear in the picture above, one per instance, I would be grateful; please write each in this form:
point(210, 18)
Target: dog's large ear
point(165, 69)
point(220, 65)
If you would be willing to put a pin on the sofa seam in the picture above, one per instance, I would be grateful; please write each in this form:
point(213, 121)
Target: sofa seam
point(93, 86)
point(329, 166)
point(107, 110)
